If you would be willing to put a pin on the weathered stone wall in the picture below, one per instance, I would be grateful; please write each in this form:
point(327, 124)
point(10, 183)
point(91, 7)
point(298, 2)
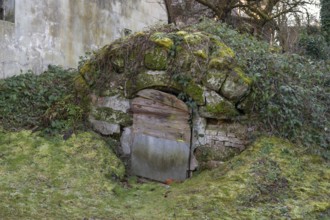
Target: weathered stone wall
point(7, 47)
point(59, 31)
point(219, 141)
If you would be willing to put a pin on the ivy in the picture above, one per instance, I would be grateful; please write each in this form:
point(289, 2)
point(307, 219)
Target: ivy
point(325, 18)
point(47, 102)
point(291, 93)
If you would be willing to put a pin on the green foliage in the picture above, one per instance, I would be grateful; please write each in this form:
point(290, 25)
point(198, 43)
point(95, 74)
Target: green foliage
point(184, 81)
point(325, 18)
point(46, 102)
point(313, 44)
point(291, 93)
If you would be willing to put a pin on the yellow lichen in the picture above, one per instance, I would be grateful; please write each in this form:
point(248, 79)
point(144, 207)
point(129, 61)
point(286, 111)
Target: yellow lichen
point(80, 84)
point(194, 38)
point(161, 40)
point(86, 68)
point(218, 63)
point(242, 76)
point(222, 50)
point(181, 33)
point(139, 34)
point(201, 54)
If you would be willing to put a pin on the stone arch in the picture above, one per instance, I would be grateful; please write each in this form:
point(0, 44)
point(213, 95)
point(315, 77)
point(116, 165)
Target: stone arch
point(195, 64)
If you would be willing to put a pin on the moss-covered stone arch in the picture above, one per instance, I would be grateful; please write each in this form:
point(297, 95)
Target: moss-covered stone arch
point(194, 65)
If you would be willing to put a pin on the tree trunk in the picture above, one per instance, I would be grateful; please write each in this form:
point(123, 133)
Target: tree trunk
point(186, 12)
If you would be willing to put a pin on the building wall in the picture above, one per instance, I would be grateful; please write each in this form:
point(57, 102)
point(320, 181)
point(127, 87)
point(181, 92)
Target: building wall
point(7, 49)
point(59, 31)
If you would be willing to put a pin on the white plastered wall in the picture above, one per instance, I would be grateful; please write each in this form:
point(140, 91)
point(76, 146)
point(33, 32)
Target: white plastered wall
point(60, 31)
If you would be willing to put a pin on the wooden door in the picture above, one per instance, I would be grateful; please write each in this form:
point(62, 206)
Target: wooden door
point(161, 136)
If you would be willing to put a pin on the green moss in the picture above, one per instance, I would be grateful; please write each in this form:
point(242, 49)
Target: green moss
point(214, 79)
point(194, 38)
point(223, 108)
point(205, 154)
point(157, 79)
point(246, 105)
point(86, 68)
point(201, 53)
point(219, 63)
point(156, 59)
point(150, 79)
point(161, 40)
point(40, 175)
point(87, 71)
point(181, 33)
point(183, 61)
point(58, 179)
point(196, 92)
point(221, 50)
point(236, 86)
point(242, 76)
point(118, 64)
point(112, 116)
point(139, 34)
point(81, 85)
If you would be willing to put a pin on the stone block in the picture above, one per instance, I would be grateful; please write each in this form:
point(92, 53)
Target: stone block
point(236, 85)
point(116, 102)
point(232, 135)
point(104, 128)
point(111, 116)
point(221, 138)
point(241, 147)
point(199, 132)
point(217, 153)
point(156, 59)
point(214, 79)
point(118, 64)
point(126, 141)
point(211, 132)
point(217, 107)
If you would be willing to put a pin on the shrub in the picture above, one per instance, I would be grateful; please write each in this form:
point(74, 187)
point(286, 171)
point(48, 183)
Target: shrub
point(325, 18)
point(291, 92)
point(313, 44)
point(47, 102)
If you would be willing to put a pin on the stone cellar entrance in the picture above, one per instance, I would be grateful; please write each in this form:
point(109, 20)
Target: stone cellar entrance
point(161, 136)
point(156, 139)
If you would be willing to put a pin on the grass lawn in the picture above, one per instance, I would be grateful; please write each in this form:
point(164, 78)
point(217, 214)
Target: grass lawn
point(49, 178)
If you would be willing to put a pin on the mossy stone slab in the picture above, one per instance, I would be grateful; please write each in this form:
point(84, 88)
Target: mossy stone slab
point(236, 85)
point(214, 79)
point(156, 59)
